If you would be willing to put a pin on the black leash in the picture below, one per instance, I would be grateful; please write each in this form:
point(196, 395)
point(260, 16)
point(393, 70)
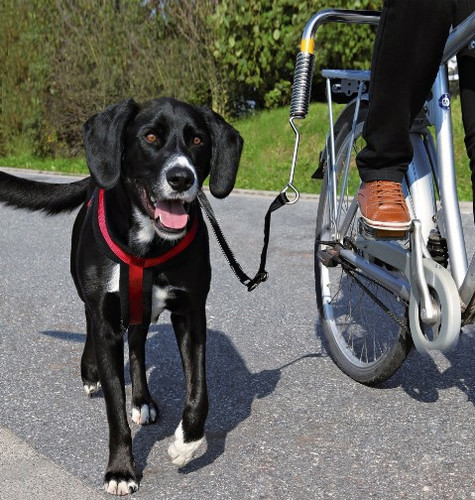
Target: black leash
point(262, 274)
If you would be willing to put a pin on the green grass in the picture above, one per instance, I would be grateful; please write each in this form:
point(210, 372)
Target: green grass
point(61, 165)
point(267, 154)
point(269, 142)
point(462, 169)
point(268, 149)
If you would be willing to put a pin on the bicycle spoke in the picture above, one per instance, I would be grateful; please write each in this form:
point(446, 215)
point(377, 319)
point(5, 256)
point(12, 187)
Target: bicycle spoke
point(364, 323)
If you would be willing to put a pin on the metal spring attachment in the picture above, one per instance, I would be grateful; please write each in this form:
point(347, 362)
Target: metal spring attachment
point(437, 246)
point(302, 86)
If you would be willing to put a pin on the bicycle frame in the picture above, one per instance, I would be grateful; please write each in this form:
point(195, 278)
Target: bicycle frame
point(429, 162)
point(439, 111)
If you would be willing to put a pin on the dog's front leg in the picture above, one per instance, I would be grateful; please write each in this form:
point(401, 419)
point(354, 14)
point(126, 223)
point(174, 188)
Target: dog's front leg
point(190, 332)
point(120, 478)
point(144, 409)
point(89, 375)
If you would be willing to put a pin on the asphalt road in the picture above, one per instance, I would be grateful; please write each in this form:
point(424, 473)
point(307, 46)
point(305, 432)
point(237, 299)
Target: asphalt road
point(284, 422)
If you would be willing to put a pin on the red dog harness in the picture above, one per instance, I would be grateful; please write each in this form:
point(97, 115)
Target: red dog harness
point(135, 276)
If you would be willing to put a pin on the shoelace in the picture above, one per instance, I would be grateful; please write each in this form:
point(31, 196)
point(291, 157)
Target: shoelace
point(390, 193)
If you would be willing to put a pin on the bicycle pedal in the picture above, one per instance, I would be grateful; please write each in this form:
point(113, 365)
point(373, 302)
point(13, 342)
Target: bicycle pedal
point(381, 234)
point(328, 257)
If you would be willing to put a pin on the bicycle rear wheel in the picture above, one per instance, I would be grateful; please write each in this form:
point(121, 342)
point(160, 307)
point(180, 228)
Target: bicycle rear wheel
point(365, 325)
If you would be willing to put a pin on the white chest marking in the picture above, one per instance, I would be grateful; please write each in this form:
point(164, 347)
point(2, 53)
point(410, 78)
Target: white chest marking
point(114, 279)
point(159, 301)
point(145, 233)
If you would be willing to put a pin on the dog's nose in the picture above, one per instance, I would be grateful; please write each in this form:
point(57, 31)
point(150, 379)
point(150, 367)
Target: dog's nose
point(180, 179)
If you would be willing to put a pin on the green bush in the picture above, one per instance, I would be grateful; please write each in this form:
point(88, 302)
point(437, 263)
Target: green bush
point(26, 46)
point(66, 59)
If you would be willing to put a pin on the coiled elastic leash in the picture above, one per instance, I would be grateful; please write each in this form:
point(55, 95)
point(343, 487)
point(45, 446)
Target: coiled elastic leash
point(281, 200)
point(261, 275)
point(299, 109)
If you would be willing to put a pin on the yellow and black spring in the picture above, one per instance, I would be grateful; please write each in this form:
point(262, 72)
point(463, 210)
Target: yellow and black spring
point(303, 75)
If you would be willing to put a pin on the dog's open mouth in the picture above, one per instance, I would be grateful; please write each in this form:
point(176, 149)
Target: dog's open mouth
point(168, 215)
point(171, 214)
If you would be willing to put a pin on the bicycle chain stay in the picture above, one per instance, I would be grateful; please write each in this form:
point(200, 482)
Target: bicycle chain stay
point(434, 301)
point(353, 274)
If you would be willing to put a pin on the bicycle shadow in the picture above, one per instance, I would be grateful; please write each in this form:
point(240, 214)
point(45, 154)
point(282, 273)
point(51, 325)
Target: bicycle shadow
point(423, 377)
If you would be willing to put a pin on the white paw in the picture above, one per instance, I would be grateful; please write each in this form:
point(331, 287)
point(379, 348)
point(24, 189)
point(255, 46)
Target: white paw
point(144, 415)
point(180, 452)
point(91, 389)
point(120, 488)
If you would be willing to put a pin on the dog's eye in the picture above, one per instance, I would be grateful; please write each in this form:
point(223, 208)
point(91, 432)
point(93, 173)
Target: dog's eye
point(197, 141)
point(151, 138)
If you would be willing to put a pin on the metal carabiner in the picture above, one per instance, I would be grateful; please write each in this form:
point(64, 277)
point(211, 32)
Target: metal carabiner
point(296, 194)
point(290, 185)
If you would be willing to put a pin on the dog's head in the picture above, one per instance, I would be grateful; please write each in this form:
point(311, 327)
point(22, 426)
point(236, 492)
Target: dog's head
point(162, 150)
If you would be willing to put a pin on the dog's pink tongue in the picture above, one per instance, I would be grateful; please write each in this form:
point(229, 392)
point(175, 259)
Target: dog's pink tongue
point(171, 214)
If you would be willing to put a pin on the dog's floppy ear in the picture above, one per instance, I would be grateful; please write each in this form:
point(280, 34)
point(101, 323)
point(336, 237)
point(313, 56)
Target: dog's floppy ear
point(226, 152)
point(103, 140)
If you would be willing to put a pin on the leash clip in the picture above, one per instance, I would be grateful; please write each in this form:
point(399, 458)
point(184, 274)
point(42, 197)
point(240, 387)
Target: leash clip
point(295, 194)
point(290, 185)
point(257, 280)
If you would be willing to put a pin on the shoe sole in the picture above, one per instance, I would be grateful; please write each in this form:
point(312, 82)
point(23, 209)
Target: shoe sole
point(382, 234)
point(387, 226)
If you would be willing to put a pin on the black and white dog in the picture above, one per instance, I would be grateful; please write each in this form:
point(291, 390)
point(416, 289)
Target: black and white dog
point(139, 246)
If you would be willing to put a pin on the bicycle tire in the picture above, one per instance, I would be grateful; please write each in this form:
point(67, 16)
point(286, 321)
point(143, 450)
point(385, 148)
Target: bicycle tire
point(365, 326)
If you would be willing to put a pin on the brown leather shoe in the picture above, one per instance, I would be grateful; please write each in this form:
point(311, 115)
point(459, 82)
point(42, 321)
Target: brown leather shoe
point(383, 206)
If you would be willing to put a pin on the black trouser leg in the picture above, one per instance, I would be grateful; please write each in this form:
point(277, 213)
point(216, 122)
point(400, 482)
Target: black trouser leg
point(408, 48)
point(466, 69)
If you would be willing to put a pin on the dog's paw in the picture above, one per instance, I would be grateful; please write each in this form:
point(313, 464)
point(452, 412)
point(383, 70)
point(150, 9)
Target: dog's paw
point(145, 414)
point(180, 452)
point(91, 388)
point(121, 487)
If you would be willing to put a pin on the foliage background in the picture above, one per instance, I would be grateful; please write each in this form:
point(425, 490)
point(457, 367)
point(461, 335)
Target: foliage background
point(63, 60)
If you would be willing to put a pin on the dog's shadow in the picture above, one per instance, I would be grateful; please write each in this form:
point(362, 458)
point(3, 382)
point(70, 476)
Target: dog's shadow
point(232, 388)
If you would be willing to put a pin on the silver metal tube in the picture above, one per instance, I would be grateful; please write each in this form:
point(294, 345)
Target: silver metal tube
point(332, 195)
point(459, 38)
point(344, 176)
point(447, 180)
point(339, 16)
point(396, 285)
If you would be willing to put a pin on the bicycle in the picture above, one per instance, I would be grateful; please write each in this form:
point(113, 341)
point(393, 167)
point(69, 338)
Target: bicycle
point(378, 298)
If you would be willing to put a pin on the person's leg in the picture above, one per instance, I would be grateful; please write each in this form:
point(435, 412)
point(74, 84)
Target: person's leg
point(407, 53)
point(466, 71)
point(408, 49)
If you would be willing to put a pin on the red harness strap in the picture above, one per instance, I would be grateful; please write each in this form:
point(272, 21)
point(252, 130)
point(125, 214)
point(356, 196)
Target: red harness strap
point(138, 264)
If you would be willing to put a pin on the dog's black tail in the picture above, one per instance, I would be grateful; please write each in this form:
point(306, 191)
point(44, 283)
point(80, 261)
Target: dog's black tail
point(51, 198)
